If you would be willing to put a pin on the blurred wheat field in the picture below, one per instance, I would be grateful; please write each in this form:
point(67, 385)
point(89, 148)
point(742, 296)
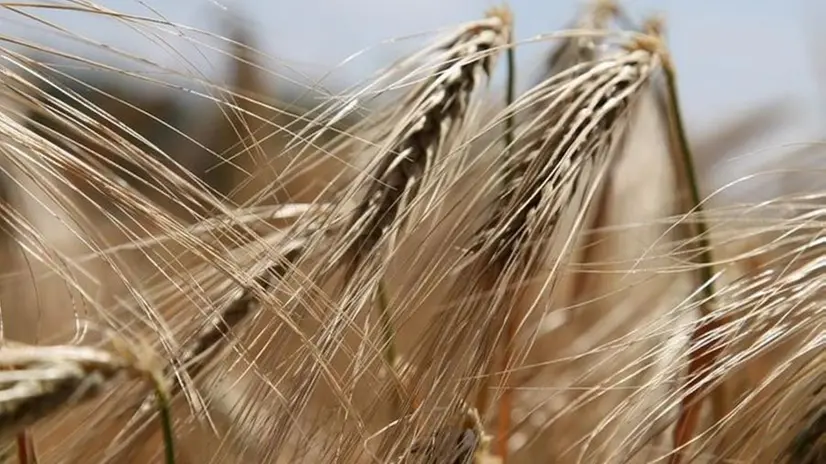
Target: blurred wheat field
point(424, 267)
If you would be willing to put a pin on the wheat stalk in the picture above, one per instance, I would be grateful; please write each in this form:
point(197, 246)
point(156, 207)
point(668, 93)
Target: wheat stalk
point(690, 413)
point(205, 344)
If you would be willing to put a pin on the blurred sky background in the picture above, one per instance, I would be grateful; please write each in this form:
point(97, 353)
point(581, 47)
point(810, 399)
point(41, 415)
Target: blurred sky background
point(731, 55)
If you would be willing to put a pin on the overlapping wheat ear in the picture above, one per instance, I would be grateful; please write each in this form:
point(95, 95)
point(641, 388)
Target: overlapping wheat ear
point(39, 381)
point(54, 176)
point(416, 145)
point(764, 356)
point(593, 17)
point(558, 157)
point(547, 188)
point(784, 405)
point(417, 138)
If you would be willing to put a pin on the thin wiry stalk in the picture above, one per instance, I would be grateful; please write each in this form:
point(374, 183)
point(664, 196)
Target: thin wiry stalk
point(704, 358)
point(574, 50)
point(506, 403)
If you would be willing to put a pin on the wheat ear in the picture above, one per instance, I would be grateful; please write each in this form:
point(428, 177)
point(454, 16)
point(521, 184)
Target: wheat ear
point(39, 381)
point(516, 245)
point(570, 52)
point(413, 146)
point(562, 153)
point(201, 349)
point(436, 111)
point(575, 50)
point(769, 351)
point(444, 103)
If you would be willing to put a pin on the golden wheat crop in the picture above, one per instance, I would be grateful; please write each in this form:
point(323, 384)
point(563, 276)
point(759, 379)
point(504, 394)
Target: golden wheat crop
point(422, 268)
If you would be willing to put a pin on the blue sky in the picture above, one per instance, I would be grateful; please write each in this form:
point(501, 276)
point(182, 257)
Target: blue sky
point(730, 54)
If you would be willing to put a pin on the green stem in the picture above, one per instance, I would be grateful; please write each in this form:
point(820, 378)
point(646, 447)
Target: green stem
point(389, 335)
point(166, 421)
point(701, 231)
point(389, 340)
point(510, 96)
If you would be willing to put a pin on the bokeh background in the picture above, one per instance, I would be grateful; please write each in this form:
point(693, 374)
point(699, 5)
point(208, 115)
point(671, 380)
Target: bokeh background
point(733, 56)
